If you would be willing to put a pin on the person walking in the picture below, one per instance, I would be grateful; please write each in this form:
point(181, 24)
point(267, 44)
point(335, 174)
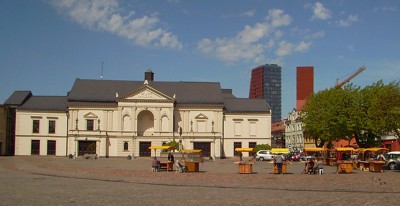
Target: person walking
point(171, 157)
point(279, 162)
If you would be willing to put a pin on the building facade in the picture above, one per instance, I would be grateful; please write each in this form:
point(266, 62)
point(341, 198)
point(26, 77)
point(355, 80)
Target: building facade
point(278, 134)
point(304, 85)
point(113, 118)
point(266, 83)
point(2, 130)
point(294, 134)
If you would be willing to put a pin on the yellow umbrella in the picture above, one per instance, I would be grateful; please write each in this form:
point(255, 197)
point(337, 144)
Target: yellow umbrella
point(280, 150)
point(244, 149)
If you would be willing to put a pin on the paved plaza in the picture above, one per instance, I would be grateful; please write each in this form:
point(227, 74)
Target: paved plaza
point(118, 181)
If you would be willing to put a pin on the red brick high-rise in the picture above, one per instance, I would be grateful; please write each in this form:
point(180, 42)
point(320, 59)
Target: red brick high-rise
point(305, 85)
point(266, 84)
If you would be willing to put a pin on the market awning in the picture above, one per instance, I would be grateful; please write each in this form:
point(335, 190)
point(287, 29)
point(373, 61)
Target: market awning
point(162, 147)
point(317, 149)
point(191, 150)
point(375, 149)
point(344, 149)
point(280, 150)
point(244, 149)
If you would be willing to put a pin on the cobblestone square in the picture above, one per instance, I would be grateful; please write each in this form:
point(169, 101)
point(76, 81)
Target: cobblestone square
point(118, 181)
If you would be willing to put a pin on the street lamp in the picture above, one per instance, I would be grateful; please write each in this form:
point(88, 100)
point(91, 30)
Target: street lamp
point(213, 132)
point(133, 146)
point(180, 138)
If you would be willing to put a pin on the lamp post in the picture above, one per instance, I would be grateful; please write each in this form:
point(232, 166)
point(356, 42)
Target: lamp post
point(133, 146)
point(213, 132)
point(99, 130)
point(76, 136)
point(180, 138)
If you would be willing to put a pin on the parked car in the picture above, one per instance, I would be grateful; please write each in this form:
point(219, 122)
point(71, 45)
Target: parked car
point(295, 156)
point(392, 159)
point(264, 155)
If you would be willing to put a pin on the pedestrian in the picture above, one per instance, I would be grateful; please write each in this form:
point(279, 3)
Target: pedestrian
point(381, 157)
point(171, 157)
point(155, 164)
point(319, 167)
point(278, 159)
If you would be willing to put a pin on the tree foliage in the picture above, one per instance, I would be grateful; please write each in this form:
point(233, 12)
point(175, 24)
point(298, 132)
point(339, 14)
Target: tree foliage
point(262, 147)
point(344, 113)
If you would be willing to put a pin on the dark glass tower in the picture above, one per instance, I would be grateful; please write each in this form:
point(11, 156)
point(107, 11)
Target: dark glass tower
point(266, 84)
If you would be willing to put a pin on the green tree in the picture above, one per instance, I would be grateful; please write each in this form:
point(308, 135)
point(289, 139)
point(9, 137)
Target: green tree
point(343, 113)
point(262, 147)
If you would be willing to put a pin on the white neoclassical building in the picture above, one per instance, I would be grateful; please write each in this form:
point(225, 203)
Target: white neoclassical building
point(113, 118)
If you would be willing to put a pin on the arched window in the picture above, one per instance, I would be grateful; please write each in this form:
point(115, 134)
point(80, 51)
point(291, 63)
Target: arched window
point(127, 123)
point(145, 123)
point(164, 124)
point(126, 146)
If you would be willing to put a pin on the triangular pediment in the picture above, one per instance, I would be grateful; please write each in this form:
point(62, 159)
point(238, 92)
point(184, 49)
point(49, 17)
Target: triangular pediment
point(90, 115)
point(201, 116)
point(145, 93)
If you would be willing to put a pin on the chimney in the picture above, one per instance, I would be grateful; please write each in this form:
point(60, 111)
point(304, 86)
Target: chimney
point(149, 75)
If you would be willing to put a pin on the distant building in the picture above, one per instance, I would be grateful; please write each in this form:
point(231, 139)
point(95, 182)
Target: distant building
point(304, 85)
point(113, 118)
point(2, 130)
point(266, 84)
point(278, 134)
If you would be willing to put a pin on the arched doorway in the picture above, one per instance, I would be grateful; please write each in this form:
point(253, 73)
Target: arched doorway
point(145, 123)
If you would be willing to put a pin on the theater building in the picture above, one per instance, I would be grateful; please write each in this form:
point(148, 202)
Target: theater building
point(114, 118)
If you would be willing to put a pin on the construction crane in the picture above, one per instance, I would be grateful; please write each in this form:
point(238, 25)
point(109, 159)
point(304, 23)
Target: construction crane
point(338, 85)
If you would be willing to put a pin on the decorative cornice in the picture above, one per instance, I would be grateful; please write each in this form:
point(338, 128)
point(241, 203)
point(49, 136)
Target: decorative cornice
point(199, 106)
point(93, 104)
point(146, 100)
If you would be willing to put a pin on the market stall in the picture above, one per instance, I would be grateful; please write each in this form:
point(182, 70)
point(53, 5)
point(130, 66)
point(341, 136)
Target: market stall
point(318, 153)
point(369, 161)
point(167, 165)
point(192, 159)
point(330, 157)
point(344, 162)
point(245, 167)
point(280, 151)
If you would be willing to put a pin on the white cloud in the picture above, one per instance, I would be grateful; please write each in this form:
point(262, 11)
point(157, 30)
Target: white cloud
point(249, 13)
point(348, 21)
point(351, 47)
point(386, 9)
point(277, 18)
point(286, 48)
point(320, 12)
point(104, 15)
point(253, 42)
point(316, 35)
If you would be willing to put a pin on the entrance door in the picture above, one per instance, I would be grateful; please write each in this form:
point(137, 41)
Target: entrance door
point(35, 147)
point(144, 150)
point(51, 147)
point(236, 145)
point(86, 147)
point(205, 148)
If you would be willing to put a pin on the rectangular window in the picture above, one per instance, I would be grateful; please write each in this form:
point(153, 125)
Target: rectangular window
point(89, 125)
point(253, 129)
point(36, 125)
point(52, 127)
point(236, 145)
point(252, 145)
point(238, 129)
point(35, 147)
point(51, 147)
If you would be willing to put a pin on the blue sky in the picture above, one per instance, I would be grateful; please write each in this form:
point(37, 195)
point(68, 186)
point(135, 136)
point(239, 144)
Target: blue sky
point(46, 45)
